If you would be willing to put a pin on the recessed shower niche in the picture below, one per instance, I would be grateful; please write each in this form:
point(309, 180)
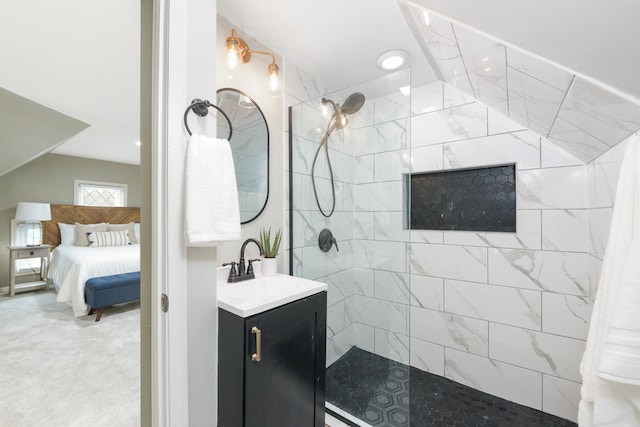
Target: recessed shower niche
point(479, 199)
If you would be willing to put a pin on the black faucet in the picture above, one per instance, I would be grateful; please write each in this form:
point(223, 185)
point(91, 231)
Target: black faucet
point(243, 273)
point(241, 267)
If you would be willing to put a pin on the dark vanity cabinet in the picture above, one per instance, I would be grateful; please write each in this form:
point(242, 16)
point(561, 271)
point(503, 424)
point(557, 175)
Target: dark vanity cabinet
point(271, 366)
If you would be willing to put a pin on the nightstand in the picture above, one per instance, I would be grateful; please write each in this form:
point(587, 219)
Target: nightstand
point(25, 252)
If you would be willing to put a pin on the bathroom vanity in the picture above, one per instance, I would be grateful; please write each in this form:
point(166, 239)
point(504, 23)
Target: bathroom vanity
point(271, 357)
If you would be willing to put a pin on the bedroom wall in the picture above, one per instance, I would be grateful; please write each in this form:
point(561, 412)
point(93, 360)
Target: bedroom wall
point(50, 179)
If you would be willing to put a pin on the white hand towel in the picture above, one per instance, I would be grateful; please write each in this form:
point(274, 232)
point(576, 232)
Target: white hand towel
point(212, 213)
point(607, 398)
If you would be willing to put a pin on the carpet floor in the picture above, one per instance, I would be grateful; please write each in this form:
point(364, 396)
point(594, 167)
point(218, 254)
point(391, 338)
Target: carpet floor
point(58, 370)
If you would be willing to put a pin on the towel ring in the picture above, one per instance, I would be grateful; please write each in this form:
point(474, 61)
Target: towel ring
point(201, 108)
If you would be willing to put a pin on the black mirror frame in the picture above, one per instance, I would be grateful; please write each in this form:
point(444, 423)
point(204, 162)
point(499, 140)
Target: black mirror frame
point(266, 124)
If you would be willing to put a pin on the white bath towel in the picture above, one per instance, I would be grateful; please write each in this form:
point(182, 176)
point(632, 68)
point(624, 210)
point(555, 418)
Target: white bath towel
point(212, 213)
point(610, 368)
point(620, 360)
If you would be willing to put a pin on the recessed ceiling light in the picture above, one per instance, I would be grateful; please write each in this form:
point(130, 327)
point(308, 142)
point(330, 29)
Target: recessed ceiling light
point(392, 59)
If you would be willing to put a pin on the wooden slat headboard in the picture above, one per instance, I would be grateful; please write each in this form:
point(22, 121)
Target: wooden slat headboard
point(70, 214)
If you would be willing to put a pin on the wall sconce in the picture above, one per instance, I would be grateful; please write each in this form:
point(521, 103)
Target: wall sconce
point(238, 51)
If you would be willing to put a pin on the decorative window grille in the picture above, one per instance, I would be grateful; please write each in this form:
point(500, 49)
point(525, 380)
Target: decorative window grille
point(91, 193)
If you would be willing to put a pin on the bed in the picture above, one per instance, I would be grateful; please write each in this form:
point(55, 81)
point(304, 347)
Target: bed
point(71, 266)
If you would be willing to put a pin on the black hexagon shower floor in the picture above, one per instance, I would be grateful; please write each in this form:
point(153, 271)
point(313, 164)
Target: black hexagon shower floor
point(382, 392)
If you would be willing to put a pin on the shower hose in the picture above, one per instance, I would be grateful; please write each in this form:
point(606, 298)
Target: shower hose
point(325, 143)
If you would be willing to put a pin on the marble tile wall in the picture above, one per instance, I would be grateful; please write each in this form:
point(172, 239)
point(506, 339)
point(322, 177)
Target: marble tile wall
point(506, 313)
point(303, 92)
point(380, 307)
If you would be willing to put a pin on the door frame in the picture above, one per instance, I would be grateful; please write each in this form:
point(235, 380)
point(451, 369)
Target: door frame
point(163, 67)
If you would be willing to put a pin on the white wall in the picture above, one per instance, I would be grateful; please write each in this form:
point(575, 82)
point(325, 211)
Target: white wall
point(201, 262)
point(186, 64)
point(250, 78)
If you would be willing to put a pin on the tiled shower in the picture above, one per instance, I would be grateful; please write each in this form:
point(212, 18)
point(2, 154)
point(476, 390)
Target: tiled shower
point(504, 313)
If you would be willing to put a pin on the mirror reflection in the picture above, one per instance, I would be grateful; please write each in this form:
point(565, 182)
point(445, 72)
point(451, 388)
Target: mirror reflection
point(250, 146)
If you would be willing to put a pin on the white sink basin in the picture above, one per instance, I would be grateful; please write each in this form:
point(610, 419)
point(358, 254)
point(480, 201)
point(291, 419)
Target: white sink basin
point(262, 293)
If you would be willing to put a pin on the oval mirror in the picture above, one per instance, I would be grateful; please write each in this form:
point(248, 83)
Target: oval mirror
point(250, 146)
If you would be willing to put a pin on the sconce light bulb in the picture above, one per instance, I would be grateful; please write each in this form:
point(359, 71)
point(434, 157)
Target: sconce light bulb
point(233, 53)
point(273, 76)
point(273, 82)
point(232, 59)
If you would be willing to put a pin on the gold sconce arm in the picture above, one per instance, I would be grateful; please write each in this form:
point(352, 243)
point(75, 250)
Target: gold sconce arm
point(239, 50)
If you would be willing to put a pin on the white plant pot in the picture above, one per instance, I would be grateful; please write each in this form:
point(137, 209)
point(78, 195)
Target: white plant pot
point(269, 266)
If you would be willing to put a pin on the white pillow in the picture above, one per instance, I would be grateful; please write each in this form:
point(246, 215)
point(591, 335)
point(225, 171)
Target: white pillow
point(121, 227)
point(136, 228)
point(108, 238)
point(82, 230)
point(67, 234)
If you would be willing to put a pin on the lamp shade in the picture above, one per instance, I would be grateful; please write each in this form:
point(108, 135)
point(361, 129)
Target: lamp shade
point(29, 211)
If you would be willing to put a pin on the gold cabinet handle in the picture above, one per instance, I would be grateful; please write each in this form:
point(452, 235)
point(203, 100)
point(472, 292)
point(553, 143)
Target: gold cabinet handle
point(257, 356)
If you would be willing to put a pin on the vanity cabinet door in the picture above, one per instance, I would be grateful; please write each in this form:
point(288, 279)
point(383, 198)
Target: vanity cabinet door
point(285, 388)
point(280, 389)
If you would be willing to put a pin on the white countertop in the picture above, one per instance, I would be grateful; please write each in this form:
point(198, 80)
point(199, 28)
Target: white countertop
point(258, 295)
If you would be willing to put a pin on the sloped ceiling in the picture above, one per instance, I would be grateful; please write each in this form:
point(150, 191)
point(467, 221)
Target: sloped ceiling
point(28, 130)
point(596, 38)
point(565, 69)
point(336, 41)
point(81, 59)
point(578, 113)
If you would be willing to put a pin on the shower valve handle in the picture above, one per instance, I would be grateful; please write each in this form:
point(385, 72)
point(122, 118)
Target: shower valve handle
point(326, 240)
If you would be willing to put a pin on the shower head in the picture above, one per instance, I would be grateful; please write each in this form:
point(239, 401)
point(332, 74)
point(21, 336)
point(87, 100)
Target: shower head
point(351, 105)
point(338, 120)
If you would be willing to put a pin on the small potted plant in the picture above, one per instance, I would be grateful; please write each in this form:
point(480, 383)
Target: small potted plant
point(269, 265)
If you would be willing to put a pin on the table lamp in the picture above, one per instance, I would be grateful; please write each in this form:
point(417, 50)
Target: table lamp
point(33, 213)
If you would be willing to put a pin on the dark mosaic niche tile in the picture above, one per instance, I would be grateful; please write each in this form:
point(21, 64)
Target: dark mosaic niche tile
point(480, 199)
point(387, 393)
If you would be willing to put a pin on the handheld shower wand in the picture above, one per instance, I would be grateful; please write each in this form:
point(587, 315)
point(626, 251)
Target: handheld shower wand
point(338, 120)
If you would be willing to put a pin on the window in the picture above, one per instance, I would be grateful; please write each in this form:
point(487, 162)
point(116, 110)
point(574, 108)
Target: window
point(91, 193)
